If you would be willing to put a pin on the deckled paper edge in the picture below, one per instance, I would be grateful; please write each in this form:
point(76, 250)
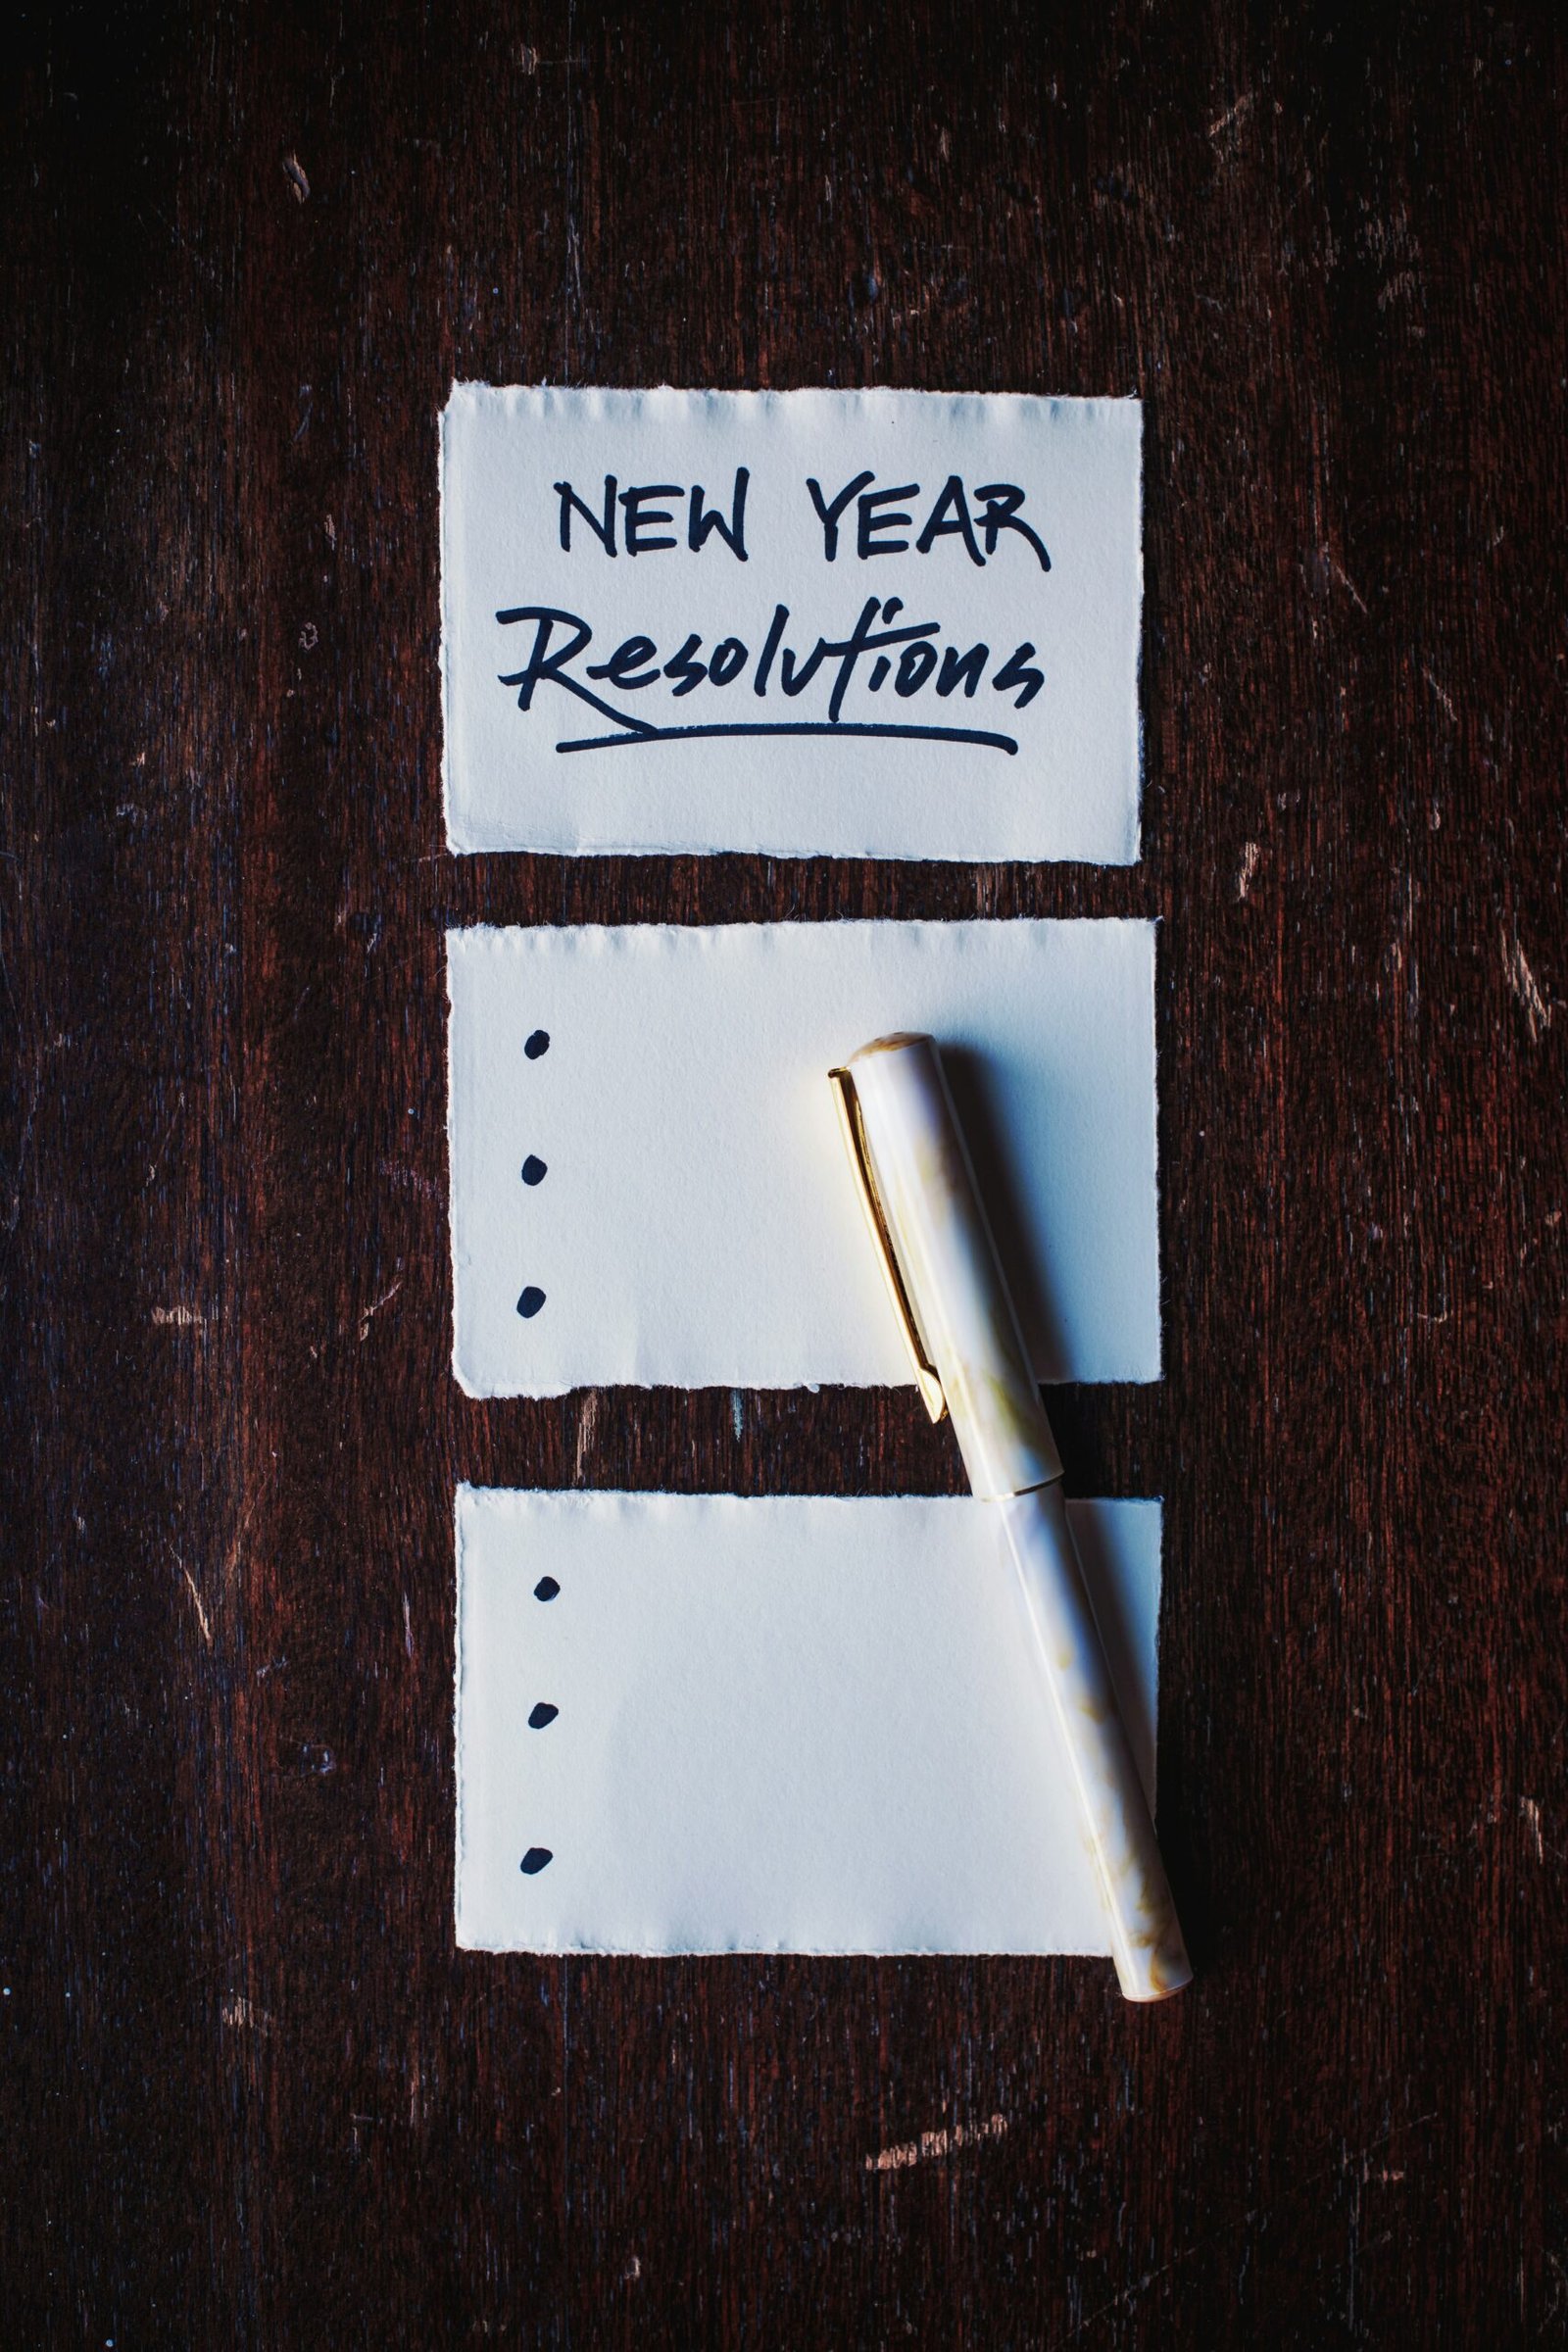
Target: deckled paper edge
point(454, 931)
point(869, 395)
point(1156, 928)
point(467, 1492)
point(459, 1504)
point(443, 618)
point(1137, 856)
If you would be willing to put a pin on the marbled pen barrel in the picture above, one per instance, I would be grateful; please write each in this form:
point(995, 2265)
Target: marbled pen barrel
point(1146, 1936)
point(969, 1331)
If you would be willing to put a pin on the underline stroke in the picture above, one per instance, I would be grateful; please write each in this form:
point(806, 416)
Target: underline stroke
point(976, 735)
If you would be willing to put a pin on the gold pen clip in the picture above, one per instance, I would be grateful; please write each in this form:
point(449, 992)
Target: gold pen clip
point(926, 1377)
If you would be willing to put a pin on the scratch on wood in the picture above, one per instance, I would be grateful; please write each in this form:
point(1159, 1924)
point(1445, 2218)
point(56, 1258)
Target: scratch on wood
point(235, 1552)
point(1443, 697)
point(1532, 1813)
point(585, 1431)
point(370, 1312)
point(14, 1213)
point(1251, 854)
point(1522, 980)
point(185, 1317)
point(201, 1613)
point(1234, 116)
point(931, 2144)
point(244, 2017)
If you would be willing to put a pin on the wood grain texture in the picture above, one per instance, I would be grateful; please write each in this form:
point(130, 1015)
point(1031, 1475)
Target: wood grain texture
point(253, 2095)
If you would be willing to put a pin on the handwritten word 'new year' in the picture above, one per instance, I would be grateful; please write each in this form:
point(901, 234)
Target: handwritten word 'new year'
point(645, 524)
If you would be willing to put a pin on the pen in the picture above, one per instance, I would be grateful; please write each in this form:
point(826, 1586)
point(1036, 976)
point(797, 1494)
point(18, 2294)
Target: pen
point(960, 1326)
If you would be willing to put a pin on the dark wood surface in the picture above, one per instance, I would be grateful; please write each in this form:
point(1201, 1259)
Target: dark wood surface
point(253, 2096)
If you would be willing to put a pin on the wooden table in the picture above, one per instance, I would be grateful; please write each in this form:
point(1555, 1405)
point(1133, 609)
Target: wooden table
point(253, 2095)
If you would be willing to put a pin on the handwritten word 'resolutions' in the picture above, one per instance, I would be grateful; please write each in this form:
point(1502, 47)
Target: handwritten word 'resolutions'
point(877, 654)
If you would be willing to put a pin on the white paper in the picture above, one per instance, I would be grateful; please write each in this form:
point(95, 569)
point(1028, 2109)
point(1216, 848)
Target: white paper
point(996, 486)
point(784, 1724)
point(695, 1224)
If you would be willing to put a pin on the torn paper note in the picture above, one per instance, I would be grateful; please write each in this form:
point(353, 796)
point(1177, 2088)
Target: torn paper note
point(899, 624)
point(712, 1723)
point(648, 1181)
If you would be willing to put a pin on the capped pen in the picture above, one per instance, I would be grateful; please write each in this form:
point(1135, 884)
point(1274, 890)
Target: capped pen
point(960, 1327)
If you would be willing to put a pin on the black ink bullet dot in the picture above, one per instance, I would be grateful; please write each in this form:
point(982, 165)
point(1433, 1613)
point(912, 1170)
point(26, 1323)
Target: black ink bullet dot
point(546, 1588)
point(542, 1714)
point(531, 1302)
point(534, 1171)
point(534, 1860)
point(538, 1044)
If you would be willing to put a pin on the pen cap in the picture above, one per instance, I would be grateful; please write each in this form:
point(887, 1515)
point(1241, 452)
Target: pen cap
point(947, 1260)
